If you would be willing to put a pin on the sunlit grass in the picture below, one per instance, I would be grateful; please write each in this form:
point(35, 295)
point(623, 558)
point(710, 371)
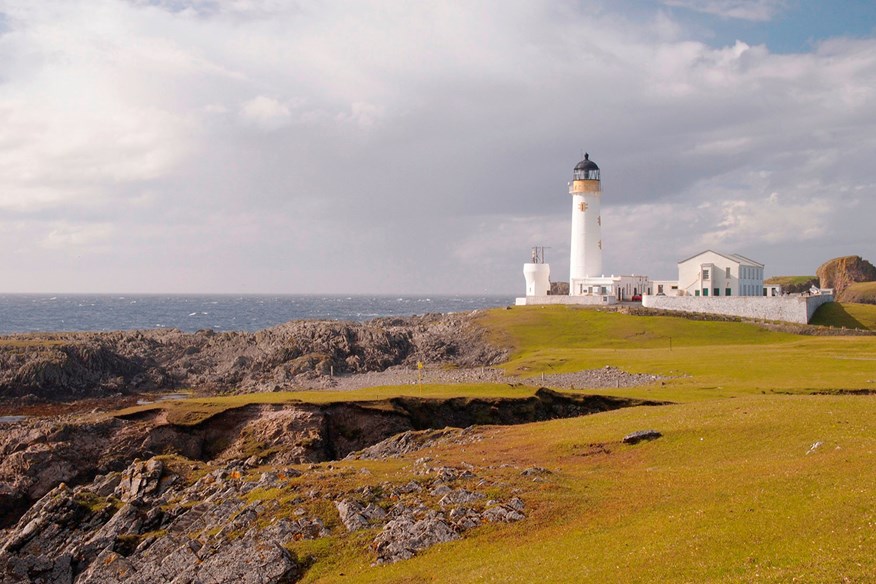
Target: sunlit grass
point(705, 359)
point(733, 492)
point(847, 314)
point(195, 410)
point(736, 490)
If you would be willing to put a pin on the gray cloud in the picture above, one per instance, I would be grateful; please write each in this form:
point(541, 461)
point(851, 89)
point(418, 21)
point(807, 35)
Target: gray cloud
point(385, 147)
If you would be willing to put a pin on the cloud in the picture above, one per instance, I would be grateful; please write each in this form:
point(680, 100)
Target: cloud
point(69, 238)
point(266, 113)
point(754, 10)
point(767, 221)
point(391, 147)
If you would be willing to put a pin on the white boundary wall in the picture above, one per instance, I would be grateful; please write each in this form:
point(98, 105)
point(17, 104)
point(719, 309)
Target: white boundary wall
point(594, 300)
point(798, 309)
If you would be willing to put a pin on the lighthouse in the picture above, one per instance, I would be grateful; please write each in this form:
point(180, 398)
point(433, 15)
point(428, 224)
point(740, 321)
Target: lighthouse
point(588, 285)
point(585, 260)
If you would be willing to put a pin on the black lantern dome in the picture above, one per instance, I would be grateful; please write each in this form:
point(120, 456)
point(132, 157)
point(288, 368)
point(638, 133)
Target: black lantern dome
point(586, 169)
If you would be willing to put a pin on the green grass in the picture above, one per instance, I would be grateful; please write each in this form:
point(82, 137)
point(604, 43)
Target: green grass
point(732, 492)
point(537, 327)
point(786, 281)
point(729, 494)
point(862, 292)
point(189, 412)
point(706, 359)
point(846, 315)
point(703, 359)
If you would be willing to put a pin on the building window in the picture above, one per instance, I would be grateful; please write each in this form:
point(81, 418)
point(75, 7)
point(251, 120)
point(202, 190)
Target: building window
point(705, 273)
point(705, 291)
point(717, 291)
point(696, 292)
point(727, 273)
point(726, 291)
point(764, 291)
point(659, 288)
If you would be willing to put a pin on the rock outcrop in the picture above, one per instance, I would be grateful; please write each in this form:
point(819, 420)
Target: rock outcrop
point(65, 366)
point(37, 455)
point(172, 520)
point(840, 273)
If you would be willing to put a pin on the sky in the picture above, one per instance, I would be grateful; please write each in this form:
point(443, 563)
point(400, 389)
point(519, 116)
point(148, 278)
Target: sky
point(387, 147)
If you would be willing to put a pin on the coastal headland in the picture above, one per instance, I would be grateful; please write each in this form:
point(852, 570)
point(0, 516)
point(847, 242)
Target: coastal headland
point(533, 443)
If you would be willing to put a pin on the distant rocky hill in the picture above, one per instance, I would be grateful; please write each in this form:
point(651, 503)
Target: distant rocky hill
point(841, 273)
point(65, 366)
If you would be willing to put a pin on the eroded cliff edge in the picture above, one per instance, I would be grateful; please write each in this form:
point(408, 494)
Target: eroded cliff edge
point(134, 497)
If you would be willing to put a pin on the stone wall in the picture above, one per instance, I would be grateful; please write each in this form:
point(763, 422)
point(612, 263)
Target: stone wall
point(798, 309)
point(595, 300)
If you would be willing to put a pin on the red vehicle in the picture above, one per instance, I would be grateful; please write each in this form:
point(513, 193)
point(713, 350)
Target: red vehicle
point(636, 298)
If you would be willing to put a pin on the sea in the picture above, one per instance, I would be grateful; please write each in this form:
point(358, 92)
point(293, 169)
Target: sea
point(23, 313)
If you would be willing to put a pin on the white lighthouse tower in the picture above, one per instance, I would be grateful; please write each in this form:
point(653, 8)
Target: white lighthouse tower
point(585, 261)
point(588, 285)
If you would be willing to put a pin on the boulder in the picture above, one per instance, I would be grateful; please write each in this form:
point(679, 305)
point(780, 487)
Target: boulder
point(641, 436)
point(355, 516)
point(402, 538)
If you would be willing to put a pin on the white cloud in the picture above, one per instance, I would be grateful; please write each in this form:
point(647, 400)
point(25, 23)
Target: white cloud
point(402, 146)
point(754, 10)
point(71, 238)
point(768, 221)
point(266, 113)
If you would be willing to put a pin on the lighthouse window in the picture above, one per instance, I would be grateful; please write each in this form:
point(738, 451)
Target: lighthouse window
point(705, 273)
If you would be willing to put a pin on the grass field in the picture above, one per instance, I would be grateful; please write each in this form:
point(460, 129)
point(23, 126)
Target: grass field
point(847, 315)
point(756, 478)
point(706, 359)
point(733, 492)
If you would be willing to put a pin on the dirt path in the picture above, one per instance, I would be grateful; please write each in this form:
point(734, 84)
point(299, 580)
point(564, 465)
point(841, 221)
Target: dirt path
point(587, 379)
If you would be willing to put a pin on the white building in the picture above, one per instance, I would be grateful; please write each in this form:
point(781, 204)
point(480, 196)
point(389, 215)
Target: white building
point(665, 287)
point(537, 274)
point(711, 273)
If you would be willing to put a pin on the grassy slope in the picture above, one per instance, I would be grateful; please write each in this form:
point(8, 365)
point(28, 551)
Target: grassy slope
point(847, 314)
point(728, 494)
point(708, 359)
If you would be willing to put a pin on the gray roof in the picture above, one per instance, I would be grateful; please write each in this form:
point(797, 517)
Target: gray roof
point(739, 259)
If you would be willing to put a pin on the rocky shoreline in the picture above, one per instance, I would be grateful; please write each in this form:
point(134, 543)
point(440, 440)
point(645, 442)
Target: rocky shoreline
point(75, 366)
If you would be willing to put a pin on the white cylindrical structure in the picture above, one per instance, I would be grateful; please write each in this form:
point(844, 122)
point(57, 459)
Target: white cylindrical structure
point(538, 279)
point(585, 260)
